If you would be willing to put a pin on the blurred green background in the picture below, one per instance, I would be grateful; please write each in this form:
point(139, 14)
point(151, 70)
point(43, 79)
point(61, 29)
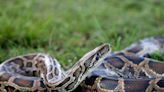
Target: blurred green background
point(67, 29)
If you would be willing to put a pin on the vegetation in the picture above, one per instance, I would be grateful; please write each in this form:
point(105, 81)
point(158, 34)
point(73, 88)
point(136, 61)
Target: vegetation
point(67, 29)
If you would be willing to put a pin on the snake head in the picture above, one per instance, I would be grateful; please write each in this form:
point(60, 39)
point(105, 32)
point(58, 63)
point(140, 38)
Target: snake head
point(96, 56)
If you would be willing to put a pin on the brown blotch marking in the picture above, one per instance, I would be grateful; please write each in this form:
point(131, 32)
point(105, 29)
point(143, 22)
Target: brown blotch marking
point(87, 63)
point(70, 86)
point(23, 82)
point(10, 89)
point(134, 49)
point(56, 71)
point(136, 85)
point(29, 64)
point(134, 58)
point(35, 73)
point(76, 76)
point(77, 72)
point(157, 67)
point(65, 81)
point(50, 76)
point(5, 77)
point(50, 68)
point(115, 61)
point(29, 57)
point(109, 84)
point(18, 61)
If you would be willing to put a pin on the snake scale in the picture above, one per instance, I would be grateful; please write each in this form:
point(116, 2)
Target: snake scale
point(100, 70)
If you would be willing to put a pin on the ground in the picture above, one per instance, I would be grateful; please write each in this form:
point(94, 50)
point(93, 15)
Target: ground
point(67, 29)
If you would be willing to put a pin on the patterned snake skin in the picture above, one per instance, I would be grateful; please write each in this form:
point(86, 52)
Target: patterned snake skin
point(129, 70)
point(41, 73)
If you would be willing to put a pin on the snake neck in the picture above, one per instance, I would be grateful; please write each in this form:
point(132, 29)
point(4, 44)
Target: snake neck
point(75, 75)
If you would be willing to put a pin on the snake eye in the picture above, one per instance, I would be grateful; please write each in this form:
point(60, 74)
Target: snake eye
point(98, 56)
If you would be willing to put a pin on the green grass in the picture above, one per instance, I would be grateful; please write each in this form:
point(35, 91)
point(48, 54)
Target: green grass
point(158, 56)
point(68, 29)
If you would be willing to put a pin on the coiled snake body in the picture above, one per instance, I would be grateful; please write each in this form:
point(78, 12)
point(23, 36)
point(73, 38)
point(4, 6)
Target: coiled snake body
point(129, 70)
